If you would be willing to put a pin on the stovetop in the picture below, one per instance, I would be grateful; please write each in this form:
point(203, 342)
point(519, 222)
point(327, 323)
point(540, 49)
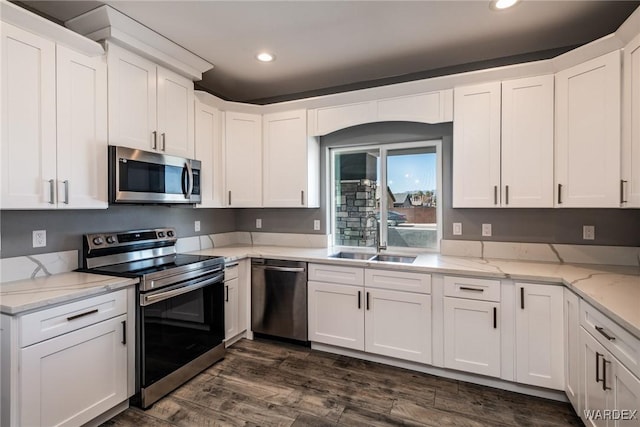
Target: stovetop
point(154, 265)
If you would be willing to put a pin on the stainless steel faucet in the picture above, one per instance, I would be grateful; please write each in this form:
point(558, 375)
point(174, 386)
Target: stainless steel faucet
point(379, 246)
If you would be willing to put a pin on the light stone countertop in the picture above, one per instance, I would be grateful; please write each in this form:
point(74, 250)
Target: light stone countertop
point(26, 295)
point(614, 290)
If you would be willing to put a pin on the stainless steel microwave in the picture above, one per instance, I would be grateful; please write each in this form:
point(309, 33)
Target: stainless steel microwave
point(137, 176)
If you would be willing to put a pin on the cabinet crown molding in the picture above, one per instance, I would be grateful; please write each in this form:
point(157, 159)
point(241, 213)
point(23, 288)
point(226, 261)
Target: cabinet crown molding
point(107, 23)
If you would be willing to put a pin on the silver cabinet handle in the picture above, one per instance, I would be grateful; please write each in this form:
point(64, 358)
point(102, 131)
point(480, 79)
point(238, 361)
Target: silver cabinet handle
point(154, 145)
point(52, 192)
point(162, 141)
point(598, 356)
point(66, 191)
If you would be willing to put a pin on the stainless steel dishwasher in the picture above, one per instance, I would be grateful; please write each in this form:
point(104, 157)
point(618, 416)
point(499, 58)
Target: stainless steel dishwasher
point(279, 298)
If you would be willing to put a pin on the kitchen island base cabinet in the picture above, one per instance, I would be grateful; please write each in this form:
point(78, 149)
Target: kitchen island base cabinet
point(73, 378)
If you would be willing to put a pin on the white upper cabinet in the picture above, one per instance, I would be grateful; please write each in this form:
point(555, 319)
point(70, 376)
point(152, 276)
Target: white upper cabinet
point(208, 135)
point(243, 159)
point(527, 142)
point(28, 120)
point(54, 133)
point(630, 185)
point(291, 161)
point(431, 107)
point(587, 149)
point(150, 108)
point(476, 146)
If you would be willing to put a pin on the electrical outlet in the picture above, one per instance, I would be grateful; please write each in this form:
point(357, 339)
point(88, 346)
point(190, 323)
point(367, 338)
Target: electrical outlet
point(486, 230)
point(196, 226)
point(588, 232)
point(39, 238)
point(258, 223)
point(316, 224)
point(457, 229)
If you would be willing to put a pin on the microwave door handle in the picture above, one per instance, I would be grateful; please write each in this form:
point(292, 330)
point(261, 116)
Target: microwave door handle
point(189, 180)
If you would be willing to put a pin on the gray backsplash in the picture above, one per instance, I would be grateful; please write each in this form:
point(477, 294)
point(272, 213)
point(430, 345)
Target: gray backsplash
point(615, 227)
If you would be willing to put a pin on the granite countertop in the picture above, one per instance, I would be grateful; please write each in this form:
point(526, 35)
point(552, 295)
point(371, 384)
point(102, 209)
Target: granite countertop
point(614, 290)
point(26, 295)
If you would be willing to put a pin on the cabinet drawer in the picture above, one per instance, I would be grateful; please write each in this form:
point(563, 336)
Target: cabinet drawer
point(44, 324)
point(336, 274)
point(472, 288)
point(612, 336)
point(398, 280)
point(231, 272)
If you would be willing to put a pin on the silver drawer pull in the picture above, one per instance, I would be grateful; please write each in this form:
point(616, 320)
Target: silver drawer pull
point(605, 333)
point(77, 316)
point(466, 288)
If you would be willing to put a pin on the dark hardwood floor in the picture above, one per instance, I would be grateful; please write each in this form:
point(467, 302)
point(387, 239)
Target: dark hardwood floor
point(264, 383)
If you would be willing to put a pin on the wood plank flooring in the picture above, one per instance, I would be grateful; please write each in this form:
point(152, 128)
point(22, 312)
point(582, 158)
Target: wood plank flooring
point(264, 383)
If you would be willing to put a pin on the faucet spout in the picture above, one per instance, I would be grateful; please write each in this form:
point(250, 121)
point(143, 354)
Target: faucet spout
point(379, 246)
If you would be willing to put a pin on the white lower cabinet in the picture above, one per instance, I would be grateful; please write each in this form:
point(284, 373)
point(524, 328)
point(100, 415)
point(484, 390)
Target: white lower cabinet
point(539, 339)
point(73, 378)
point(69, 364)
point(231, 314)
point(572, 349)
point(370, 318)
point(236, 283)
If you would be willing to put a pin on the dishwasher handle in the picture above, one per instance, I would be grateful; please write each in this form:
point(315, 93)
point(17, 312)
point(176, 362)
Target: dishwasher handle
point(284, 269)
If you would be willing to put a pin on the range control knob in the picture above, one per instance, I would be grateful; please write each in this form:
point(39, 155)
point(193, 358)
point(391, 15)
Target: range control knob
point(111, 239)
point(98, 241)
point(170, 233)
point(161, 234)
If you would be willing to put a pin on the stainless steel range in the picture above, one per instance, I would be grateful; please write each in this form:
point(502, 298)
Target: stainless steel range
point(180, 309)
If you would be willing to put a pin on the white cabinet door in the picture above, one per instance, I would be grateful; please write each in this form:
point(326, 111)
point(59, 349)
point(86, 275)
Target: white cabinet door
point(398, 324)
point(336, 315)
point(472, 336)
point(175, 114)
point(476, 146)
point(81, 130)
point(132, 100)
point(208, 149)
point(539, 339)
point(626, 394)
point(28, 145)
point(290, 173)
point(631, 125)
point(527, 142)
point(572, 349)
point(243, 159)
point(596, 397)
point(71, 379)
point(231, 312)
point(587, 151)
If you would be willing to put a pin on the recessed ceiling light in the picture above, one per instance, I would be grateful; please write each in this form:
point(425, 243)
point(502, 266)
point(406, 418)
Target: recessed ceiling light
point(502, 4)
point(265, 57)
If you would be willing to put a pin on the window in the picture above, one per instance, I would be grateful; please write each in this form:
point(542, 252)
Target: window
point(395, 187)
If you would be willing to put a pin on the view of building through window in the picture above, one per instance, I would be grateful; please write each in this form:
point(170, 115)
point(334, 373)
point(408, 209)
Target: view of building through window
point(393, 187)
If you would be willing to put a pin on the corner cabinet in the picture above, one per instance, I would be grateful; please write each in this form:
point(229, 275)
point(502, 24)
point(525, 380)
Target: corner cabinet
point(291, 161)
point(587, 150)
point(242, 153)
point(150, 107)
point(54, 133)
point(503, 144)
point(630, 184)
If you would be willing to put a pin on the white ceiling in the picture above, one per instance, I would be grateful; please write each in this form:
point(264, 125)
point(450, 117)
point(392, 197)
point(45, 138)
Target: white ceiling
point(321, 45)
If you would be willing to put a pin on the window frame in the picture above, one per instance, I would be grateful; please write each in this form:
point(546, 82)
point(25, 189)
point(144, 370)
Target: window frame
point(383, 149)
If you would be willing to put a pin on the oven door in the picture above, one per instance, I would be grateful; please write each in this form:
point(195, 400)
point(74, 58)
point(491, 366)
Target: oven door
point(180, 326)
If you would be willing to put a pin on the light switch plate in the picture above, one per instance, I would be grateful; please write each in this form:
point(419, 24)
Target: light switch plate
point(39, 238)
point(258, 223)
point(457, 229)
point(316, 224)
point(486, 230)
point(196, 226)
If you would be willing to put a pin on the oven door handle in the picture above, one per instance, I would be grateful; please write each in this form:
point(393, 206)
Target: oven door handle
point(160, 296)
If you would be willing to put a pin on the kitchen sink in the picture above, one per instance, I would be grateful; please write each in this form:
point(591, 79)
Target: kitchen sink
point(374, 257)
point(352, 255)
point(394, 258)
